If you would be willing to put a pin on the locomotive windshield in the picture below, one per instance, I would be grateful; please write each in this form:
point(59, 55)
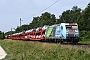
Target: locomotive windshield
point(69, 27)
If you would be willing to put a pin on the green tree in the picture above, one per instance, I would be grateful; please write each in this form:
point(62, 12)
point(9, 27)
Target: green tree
point(35, 22)
point(84, 19)
point(70, 16)
point(2, 35)
point(22, 28)
point(45, 19)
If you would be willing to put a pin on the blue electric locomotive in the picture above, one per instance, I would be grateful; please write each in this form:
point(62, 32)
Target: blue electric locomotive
point(64, 32)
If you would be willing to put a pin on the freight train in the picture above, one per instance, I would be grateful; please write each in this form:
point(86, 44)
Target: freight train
point(64, 32)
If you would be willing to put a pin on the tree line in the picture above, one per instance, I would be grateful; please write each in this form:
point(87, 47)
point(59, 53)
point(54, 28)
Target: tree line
point(75, 15)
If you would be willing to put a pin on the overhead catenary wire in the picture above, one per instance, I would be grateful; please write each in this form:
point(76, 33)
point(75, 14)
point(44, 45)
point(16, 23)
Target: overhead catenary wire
point(43, 10)
point(49, 7)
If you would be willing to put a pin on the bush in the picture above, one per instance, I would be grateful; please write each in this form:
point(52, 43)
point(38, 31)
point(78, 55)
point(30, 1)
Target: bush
point(1, 35)
point(84, 35)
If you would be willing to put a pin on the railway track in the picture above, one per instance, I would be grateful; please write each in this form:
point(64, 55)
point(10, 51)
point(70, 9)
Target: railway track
point(85, 47)
point(73, 46)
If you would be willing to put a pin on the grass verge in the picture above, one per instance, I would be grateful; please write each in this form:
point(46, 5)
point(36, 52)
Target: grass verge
point(28, 50)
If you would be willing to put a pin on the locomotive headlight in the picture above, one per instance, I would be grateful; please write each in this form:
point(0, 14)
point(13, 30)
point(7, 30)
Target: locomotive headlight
point(76, 30)
point(67, 35)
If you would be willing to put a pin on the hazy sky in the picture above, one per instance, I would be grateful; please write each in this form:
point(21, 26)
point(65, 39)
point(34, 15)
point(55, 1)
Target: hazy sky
point(12, 10)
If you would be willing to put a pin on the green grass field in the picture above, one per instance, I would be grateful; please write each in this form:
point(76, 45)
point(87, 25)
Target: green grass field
point(28, 50)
